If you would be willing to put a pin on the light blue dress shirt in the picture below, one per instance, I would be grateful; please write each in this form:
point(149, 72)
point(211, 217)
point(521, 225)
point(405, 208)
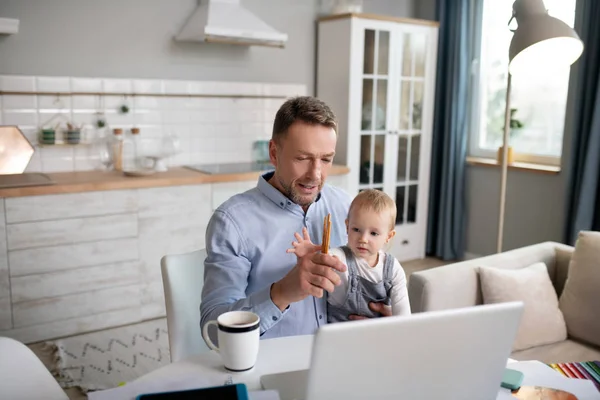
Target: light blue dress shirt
point(246, 242)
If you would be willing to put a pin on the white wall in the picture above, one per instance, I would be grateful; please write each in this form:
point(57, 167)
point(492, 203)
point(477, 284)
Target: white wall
point(133, 39)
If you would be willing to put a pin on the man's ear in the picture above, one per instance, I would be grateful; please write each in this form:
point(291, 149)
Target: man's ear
point(391, 234)
point(273, 152)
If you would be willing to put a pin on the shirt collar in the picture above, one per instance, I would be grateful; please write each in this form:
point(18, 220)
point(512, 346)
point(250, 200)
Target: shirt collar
point(275, 195)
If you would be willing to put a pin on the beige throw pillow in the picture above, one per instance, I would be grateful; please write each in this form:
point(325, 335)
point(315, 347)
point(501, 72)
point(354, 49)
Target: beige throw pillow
point(580, 299)
point(542, 321)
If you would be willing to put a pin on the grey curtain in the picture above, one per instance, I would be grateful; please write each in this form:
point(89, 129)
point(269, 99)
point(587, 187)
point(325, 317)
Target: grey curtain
point(583, 190)
point(459, 34)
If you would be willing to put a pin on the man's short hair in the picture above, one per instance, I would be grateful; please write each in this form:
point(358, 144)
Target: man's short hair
point(302, 108)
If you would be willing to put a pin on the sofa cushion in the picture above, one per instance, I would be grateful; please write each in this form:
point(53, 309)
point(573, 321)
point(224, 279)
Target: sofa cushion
point(565, 351)
point(542, 321)
point(563, 260)
point(580, 299)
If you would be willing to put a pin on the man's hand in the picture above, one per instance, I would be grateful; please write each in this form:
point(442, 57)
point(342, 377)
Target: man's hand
point(312, 274)
point(385, 311)
point(303, 245)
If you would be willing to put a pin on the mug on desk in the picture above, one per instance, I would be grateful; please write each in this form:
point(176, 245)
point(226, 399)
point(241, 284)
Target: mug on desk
point(238, 336)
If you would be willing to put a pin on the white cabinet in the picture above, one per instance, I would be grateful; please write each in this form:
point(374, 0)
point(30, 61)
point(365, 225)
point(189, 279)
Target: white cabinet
point(78, 262)
point(378, 75)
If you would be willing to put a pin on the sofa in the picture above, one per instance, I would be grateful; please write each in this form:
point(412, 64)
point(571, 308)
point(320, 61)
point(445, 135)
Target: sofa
point(458, 285)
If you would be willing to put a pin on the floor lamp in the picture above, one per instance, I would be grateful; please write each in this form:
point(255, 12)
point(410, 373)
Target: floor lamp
point(540, 41)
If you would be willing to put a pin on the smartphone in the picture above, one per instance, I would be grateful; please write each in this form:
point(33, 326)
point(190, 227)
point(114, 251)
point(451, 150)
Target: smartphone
point(227, 392)
point(512, 379)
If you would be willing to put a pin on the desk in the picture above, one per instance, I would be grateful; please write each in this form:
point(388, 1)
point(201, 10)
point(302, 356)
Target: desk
point(282, 355)
point(275, 355)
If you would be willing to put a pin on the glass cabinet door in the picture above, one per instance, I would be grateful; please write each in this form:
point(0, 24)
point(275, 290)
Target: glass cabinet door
point(412, 81)
point(374, 108)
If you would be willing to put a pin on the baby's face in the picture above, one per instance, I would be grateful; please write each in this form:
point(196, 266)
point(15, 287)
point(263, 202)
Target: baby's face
point(368, 232)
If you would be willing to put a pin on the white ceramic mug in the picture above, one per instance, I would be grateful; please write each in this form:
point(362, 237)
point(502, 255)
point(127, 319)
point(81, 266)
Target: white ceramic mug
point(238, 335)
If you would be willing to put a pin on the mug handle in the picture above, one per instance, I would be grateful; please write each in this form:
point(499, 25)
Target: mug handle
point(207, 338)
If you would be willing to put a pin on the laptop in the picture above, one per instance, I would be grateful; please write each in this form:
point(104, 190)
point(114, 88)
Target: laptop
point(452, 354)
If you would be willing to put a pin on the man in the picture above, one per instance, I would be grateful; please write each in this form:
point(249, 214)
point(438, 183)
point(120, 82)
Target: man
point(247, 266)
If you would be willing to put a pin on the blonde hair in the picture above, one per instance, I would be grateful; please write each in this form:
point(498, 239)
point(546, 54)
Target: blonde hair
point(377, 201)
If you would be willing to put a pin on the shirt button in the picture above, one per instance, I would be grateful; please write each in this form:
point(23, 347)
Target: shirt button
point(289, 203)
point(274, 318)
point(320, 316)
point(281, 204)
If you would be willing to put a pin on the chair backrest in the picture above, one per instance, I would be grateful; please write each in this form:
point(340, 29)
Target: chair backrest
point(183, 278)
point(23, 376)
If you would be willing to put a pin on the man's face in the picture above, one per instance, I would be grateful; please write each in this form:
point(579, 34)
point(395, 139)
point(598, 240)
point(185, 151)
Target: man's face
point(302, 161)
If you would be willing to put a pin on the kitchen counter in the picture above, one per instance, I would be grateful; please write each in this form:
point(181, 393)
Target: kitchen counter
point(91, 181)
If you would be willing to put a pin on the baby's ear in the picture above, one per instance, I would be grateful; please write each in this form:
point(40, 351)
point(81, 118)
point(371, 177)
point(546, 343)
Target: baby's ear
point(391, 234)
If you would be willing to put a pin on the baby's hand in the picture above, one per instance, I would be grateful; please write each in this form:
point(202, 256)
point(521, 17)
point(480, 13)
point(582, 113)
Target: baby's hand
point(303, 246)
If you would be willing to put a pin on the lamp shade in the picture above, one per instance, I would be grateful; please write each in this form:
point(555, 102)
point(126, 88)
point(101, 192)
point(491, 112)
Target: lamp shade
point(540, 39)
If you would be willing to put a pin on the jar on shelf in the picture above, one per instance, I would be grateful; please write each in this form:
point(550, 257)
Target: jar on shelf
point(131, 150)
point(117, 149)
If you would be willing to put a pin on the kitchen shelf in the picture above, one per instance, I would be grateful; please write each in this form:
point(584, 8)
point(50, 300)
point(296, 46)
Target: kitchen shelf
point(62, 144)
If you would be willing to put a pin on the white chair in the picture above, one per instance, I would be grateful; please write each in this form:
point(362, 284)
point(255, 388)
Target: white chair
point(183, 278)
point(23, 376)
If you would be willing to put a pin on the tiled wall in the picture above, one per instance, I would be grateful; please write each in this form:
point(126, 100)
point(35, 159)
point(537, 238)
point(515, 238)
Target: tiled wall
point(209, 129)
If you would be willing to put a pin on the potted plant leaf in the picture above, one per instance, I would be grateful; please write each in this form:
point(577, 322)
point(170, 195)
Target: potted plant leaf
point(515, 128)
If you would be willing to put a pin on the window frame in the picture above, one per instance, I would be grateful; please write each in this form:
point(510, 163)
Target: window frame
point(474, 121)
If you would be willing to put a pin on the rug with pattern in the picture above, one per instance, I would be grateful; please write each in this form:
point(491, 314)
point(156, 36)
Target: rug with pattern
point(104, 359)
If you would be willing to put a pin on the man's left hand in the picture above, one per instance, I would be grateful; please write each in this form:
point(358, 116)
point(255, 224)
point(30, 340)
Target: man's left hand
point(384, 310)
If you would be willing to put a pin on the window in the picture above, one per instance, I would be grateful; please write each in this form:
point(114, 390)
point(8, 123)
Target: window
point(539, 96)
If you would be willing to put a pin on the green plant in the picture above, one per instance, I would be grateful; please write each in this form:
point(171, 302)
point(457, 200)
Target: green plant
point(515, 124)
point(74, 127)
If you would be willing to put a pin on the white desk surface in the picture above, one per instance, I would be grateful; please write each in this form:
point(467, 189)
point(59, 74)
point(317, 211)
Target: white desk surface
point(275, 355)
point(293, 353)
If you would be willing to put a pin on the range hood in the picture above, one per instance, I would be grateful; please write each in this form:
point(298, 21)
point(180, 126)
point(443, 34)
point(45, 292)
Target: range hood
point(227, 21)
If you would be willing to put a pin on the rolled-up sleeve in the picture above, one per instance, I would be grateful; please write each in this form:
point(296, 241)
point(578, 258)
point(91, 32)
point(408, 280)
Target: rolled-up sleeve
point(226, 270)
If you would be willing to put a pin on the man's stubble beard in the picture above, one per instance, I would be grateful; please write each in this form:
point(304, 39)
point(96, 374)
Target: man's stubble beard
point(291, 194)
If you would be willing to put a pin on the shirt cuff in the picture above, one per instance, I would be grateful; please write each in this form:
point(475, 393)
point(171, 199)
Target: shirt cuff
point(268, 312)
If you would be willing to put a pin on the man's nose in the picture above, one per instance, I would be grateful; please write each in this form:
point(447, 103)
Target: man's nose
point(315, 170)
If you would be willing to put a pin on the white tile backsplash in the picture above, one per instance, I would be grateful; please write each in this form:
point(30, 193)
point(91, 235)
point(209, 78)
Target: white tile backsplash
point(114, 103)
point(18, 102)
point(52, 102)
point(147, 86)
point(15, 83)
point(146, 117)
point(27, 118)
point(116, 85)
point(86, 102)
point(86, 85)
point(210, 129)
point(57, 159)
point(175, 87)
point(51, 84)
point(176, 116)
point(146, 102)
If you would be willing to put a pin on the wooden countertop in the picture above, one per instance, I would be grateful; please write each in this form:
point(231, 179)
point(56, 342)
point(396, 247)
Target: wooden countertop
point(92, 181)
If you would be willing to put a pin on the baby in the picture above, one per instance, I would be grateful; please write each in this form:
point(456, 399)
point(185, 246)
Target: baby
point(372, 275)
